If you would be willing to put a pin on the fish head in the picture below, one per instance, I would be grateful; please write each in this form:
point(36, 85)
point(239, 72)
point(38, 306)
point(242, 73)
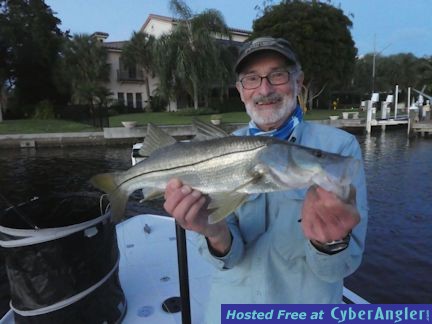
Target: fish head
point(297, 166)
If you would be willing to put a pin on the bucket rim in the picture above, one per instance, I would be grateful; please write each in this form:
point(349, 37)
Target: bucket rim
point(34, 236)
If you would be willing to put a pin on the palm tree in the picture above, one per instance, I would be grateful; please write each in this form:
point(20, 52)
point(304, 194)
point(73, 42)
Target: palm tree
point(189, 56)
point(139, 53)
point(87, 69)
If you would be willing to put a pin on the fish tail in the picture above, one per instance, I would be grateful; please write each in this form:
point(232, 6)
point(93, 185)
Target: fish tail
point(117, 196)
point(105, 182)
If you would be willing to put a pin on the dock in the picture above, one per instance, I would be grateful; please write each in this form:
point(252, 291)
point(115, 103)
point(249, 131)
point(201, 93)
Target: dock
point(361, 123)
point(422, 128)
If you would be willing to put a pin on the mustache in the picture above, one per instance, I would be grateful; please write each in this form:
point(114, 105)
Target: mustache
point(268, 99)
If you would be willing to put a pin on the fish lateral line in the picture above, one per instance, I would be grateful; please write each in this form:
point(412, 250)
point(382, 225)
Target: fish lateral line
point(190, 164)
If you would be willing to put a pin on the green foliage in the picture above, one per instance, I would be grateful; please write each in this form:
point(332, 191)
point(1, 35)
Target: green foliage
point(138, 54)
point(44, 110)
point(403, 69)
point(28, 126)
point(230, 104)
point(320, 34)
point(158, 103)
point(189, 59)
point(175, 118)
point(191, 111)
point(86, 68)
point(31, 40)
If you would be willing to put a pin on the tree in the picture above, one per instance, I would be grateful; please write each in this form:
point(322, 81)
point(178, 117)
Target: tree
point(85, 65)
point(224, 74)
point(320, 34)
point(4, 60)
point(32, 40)
point(404, 69)
point(188, 58)
point(139, 53)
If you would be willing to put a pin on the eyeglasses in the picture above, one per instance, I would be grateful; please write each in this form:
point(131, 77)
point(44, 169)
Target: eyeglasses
point(253, 81)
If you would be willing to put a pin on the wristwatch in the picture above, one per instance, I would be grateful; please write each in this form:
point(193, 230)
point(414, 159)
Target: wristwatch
point(332, 247)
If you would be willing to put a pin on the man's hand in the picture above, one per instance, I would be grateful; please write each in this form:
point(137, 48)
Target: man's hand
point(189, 208)
point(325, 217)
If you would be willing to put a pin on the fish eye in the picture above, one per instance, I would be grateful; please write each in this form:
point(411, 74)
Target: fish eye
point(319, 153)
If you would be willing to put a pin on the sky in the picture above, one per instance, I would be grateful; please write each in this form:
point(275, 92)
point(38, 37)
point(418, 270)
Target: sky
point(383, 26)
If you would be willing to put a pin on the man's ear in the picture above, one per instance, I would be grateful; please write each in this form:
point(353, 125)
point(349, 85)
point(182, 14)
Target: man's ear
point(299, 81)
point(240, 90)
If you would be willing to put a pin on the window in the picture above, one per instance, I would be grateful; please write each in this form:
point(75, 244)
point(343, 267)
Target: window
point(120, 98)
point(129, 98)
point(138, 100)
point(132, 73)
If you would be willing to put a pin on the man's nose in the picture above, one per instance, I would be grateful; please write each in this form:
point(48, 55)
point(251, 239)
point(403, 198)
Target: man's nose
point(266, 87)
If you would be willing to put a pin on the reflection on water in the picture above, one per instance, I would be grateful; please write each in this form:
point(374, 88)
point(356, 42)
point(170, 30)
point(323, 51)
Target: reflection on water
point(398, 255)
point(28, 173)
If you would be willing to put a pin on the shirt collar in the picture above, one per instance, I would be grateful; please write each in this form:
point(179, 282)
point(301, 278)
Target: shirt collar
point(284, 131)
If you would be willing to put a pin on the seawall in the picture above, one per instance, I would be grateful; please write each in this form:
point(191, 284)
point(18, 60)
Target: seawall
point(109, 136)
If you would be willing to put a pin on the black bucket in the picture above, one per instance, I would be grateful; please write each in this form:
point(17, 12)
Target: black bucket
point(66, 271)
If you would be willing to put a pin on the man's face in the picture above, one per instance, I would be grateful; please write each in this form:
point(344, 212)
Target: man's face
point(269, 105)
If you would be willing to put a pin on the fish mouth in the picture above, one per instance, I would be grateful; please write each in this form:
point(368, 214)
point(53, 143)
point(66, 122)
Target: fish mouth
point(343, 174)
point(338, 178)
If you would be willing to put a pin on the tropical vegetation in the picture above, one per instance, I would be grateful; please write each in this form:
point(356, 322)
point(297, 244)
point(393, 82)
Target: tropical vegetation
point(139, 53)
point(189, 58)
point(320, 34)
point(85, 70)
point(42, 67)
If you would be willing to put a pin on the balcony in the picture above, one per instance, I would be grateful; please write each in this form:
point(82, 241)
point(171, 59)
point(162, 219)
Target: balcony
point(130, 76)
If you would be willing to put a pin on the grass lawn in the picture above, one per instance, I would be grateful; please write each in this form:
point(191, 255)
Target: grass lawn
point(174, 118)
point(26, 126)
point(29, 126)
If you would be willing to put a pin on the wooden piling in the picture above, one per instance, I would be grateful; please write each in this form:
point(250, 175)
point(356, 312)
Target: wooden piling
point(369, 116)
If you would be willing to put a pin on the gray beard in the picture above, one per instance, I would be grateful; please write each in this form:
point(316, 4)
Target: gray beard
point(287, 107)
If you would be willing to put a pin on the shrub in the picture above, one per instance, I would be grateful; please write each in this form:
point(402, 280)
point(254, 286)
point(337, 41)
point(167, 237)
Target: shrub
point(158, 103)
point(44, 110)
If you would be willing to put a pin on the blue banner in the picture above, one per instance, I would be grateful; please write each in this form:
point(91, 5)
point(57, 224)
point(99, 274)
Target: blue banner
point(343, 313)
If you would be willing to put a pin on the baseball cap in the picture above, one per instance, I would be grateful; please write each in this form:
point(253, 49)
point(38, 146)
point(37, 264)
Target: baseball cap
point(280, 45)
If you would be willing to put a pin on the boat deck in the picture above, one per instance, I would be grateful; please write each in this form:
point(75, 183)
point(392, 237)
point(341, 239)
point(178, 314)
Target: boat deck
point(149, 272)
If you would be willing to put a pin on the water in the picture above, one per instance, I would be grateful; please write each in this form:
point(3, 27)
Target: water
point(398, 255)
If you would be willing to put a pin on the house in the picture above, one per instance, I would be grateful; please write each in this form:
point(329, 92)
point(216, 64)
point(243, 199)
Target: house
point(128, 84)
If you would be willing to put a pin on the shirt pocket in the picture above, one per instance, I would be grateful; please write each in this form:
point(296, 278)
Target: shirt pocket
point(288, 238)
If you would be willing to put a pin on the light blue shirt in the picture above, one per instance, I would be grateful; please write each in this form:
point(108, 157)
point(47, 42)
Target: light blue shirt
point(270, 260)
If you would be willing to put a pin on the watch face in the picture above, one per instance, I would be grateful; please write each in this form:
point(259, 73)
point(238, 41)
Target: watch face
point(337, 246)
point(334, 246)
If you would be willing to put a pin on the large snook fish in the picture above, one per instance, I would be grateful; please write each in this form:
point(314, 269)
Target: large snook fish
point(226, 168)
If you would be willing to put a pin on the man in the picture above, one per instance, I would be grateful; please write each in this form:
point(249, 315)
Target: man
point(283, 247)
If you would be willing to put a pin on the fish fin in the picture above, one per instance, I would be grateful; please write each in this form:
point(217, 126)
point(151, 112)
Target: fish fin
point(117, 197)
point(223, 204)
point(205, 131)
point(154, 140)
point(151, 193)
